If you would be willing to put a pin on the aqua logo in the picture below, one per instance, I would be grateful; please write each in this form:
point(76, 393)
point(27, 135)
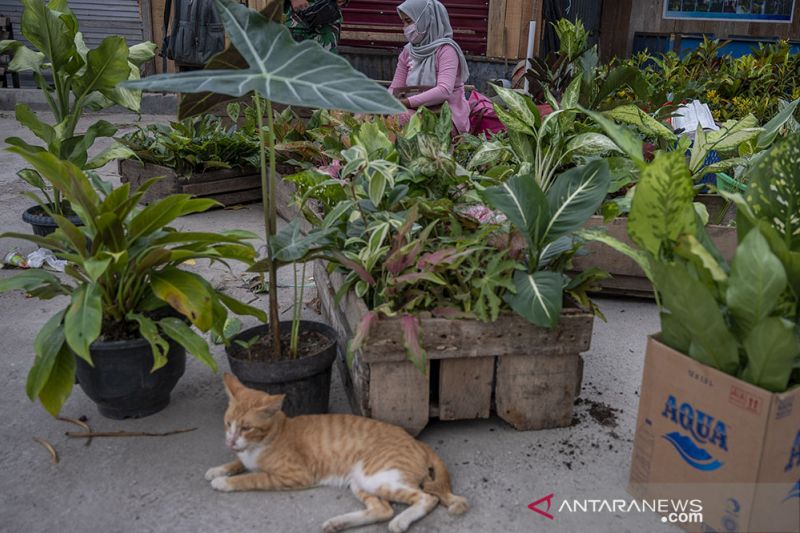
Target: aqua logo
point(794, 492)
point(702, 429)
point(794, 454)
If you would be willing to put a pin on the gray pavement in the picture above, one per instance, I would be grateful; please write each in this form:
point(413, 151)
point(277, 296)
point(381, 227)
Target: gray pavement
point(157, 484)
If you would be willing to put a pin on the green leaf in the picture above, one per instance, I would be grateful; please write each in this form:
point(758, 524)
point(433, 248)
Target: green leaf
point(693, 306)
point(84, 320)
point(629, 143)
point(158, 345)
point(757, 280)
point(177, 330)
point(157, 215)
point(26, 116)
point(289, 245)
point(24, 59)
point(520, 107)
point(602, 236)
point(591, 143)
point(773, 127)
point(732, 134)
point(773, 193)
point(488, 152)
point(32, 177)
point(662, 208)
point(141, 53)
point(280, 70)
point(59, 383)
point(525, 205)
point(48, 32)
point(111, 153)
point(693, 250)
point(241, 308)
point(538, 297)
point(650, 127)
point(47, 345)
point(575, 196)
point(29, 280)
point(106, 66)
point(96, 266)
point(187, 293)
point(771, 347)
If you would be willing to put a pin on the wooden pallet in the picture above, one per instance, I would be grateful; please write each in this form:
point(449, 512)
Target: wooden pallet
point(530, 375)
point(627, 279)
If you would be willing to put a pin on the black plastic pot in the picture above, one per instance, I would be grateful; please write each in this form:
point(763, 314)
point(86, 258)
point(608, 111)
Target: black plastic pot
point(42, 223)
point(306, 382)
point(121, 384)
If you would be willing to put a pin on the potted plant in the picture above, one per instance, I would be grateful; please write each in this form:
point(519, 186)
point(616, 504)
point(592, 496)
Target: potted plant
point(82, 79)
point(721, 376)
point(430, 277)
point(286, 72)
point(126, 327)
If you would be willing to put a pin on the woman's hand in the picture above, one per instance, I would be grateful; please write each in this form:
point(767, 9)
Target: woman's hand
point(405, 103)
point(299, 5)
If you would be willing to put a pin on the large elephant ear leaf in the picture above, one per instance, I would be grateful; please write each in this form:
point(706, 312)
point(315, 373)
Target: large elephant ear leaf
point(280, 69)
point(575, 196)
point(774, 190)
point(192, 104)
point(662, 208)
point(538, 297)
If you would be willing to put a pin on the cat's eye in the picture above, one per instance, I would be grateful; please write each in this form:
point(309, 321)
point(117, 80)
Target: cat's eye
point(246, 428)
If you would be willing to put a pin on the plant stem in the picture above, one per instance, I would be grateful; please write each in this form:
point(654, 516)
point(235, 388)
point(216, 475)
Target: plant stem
point(295, 317)
point(268, 186)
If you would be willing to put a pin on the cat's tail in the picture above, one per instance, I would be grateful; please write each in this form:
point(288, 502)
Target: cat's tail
point(439, 485)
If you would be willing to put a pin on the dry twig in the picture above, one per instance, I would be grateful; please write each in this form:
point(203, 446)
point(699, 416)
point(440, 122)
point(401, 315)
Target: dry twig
point(78, 423)
point(49, 447)
point(89, 435)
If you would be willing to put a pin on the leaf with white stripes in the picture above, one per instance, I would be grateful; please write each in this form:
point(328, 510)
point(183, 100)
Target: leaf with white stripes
point(538, 298)
point(575, 196)
point(280, 70)
point(525, 205)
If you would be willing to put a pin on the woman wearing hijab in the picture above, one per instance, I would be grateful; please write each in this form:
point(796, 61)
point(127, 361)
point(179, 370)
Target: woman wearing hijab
point(431, 59)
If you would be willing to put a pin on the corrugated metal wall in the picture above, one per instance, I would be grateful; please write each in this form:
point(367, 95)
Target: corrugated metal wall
point(98, 18)
point(375, 24)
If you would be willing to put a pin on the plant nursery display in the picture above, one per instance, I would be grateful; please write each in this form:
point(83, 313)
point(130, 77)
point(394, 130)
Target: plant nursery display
point(72, 79)
point(126, 326)
point(291, 73)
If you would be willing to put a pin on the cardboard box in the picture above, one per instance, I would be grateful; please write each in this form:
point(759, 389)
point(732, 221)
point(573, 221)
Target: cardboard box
point(702, 434)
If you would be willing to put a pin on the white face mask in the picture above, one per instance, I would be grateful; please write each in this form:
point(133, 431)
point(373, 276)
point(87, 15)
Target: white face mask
point(412, 35)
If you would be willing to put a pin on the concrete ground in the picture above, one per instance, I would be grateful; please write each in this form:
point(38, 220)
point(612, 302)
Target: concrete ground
point(156, 484)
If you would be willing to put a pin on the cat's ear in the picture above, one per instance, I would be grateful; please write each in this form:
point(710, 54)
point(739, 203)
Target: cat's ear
point(232, 385)
point(271, 404)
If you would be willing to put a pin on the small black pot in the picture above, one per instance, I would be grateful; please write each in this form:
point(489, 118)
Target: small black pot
point(43, 224)
point(121, 384)
point(306, 382)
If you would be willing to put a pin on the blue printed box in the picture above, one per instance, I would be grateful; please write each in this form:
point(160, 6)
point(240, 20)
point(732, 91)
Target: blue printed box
point(702, 434)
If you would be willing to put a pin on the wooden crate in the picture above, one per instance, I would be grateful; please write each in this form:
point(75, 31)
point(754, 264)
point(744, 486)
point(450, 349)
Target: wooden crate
point(627, 278)
point(530, 375)
point(227, 186)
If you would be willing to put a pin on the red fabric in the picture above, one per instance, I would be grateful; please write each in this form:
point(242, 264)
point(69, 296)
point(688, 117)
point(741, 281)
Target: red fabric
point(482, 118)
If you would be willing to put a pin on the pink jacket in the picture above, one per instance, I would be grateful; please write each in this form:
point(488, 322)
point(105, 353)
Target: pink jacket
point(449, 87)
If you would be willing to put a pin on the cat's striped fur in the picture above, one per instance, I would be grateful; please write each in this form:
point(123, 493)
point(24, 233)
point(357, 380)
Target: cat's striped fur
point(379, 462)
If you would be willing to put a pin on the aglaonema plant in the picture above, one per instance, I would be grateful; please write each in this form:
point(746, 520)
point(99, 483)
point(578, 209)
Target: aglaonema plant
point(283, 71)
point(742, 317)
point(80, 79)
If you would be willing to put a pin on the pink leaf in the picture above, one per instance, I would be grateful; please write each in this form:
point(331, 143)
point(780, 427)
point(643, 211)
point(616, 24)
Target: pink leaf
point(410, 327)
point(362, 332)
point(436, 258)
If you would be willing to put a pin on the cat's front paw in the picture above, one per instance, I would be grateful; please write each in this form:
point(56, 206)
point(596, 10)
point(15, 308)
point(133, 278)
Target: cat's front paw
point(333, 526)
point(217, 471)
point(399, 525)
point(221, 484)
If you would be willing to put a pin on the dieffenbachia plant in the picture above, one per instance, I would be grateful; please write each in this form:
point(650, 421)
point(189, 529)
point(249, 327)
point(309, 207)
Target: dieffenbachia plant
point(81, 79)
point(744, 317)
point(287, 72)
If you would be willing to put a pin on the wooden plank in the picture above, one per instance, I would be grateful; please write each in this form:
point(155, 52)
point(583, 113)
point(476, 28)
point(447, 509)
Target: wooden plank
point(495, 46)
point(510, 335)
point(238, 197)
point(207, 188)
point(400, 394)
point(465, 388)
point(513, 27)
point(536, 391)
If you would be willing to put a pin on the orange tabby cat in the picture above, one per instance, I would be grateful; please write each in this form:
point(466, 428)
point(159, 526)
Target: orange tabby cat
point(380, 463)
